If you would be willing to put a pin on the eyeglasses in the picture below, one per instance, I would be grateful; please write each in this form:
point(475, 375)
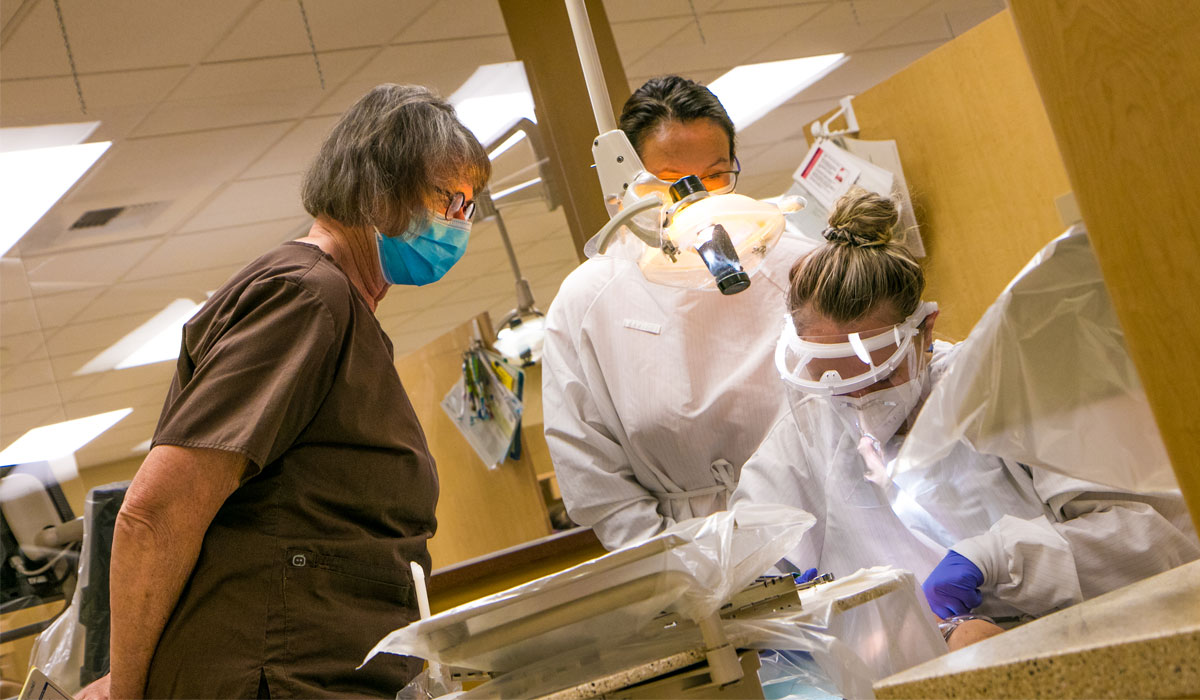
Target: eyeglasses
point(459, 202)
point(723, 182)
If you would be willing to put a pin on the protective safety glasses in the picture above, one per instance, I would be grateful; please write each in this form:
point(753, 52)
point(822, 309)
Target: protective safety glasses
point(840, 364)
point(460, 203)
point(723, 182)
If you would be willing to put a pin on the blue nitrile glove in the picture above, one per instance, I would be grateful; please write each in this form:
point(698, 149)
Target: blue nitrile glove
point(953, 586)
point(806, 576)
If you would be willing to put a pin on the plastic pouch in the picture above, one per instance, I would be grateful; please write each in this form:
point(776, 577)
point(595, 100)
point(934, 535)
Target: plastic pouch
point(691, 569)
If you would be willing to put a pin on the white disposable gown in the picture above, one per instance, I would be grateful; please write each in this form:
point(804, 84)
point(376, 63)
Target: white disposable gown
point(1044, 541)
point(655, 396)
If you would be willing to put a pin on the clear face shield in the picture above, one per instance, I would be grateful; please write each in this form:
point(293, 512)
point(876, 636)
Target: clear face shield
point(681, 234)
point(872, 379)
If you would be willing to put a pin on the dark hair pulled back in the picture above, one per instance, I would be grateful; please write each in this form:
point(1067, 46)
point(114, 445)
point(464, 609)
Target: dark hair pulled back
point(671, 98)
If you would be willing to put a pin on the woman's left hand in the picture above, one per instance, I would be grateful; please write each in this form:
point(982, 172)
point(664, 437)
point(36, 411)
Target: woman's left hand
point(96, 690)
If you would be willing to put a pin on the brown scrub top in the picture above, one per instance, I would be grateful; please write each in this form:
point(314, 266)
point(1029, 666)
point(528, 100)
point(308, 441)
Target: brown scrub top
point(306, 565)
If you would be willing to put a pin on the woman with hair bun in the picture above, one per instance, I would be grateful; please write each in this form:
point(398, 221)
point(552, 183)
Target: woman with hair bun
point(986, 534)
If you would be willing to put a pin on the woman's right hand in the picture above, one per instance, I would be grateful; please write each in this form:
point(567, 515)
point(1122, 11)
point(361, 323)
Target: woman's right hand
point(96, 690)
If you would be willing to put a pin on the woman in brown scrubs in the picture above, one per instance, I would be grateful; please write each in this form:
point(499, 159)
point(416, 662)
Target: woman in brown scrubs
point(264, 545)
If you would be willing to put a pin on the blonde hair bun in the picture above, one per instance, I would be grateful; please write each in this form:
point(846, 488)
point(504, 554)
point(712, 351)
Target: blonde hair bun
point(862, 219)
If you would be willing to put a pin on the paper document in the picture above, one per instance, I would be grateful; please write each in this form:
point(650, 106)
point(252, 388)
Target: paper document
point(828, 171)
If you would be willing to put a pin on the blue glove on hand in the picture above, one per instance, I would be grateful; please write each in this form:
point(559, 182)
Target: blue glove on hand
point(953, 586)
point(806, 576)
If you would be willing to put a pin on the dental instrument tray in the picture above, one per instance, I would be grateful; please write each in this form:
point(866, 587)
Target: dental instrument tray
point(505, 631)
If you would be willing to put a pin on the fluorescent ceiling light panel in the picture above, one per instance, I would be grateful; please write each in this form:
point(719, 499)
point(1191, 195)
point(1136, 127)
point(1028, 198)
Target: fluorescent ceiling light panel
point(37, 167)
point(749, 92)
point(59, 439)
point(508, 143)
point(494, 98)
point(516, 188)
point(156, 340)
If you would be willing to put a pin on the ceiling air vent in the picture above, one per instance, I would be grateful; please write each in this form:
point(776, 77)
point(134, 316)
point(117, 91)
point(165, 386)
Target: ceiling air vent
point(96, 217)
point(128, 221)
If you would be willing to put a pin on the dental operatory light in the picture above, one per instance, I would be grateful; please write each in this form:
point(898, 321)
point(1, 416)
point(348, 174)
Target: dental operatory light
point(749, 92)
point(681, 234)
point(59, 439)
point(156, 340)
point(491, 100)
point(37, 166)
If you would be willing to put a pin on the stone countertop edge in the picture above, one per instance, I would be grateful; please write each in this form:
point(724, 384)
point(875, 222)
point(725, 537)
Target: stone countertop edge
point(1141, 640)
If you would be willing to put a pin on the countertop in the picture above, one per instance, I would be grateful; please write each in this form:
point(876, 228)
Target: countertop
point(1142, 640)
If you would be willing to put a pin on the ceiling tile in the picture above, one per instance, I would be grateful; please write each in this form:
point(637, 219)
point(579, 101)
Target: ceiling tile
point(155, 377)
point(402, 299)
point(783, 122)
point(442, 66)
point(118, 100)
point(841, 27)
point(18, 316)
point(729, 39)
point(26, 374)
point(152, 294)
point(864, 70)
point(30, 398)
point(781, 156)
point(57, 310)
point(218, 95)
point(237, 245)
point(552, 249)
point(88, 306)
point(91, 336)
point(159, 167)
point(636, 10)
point(115, 444)
point(250, 201)
point(931, 24)
point(454, 19)
point(22, 348)
point(293, 152)
point(277, 28)
point(16, 424)
point(14, 284)
point(115, 35)
point(8, 11)
point(76, 269)
point(635, 39)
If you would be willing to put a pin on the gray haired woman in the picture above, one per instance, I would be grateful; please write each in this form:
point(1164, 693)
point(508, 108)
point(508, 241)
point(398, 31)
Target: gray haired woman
point(263, 546)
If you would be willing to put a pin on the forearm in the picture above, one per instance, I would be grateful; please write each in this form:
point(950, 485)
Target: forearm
point(149, 569)
point(167, 510)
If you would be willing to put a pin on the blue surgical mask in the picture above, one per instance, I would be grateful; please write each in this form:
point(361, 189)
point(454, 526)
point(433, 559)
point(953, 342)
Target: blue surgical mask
point(425, 252)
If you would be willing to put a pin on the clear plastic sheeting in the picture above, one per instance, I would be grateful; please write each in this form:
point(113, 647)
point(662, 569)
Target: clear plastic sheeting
point(73, 650)
point(690, 569)
point(845, 636)
point(1045, 379)
point(857, 630)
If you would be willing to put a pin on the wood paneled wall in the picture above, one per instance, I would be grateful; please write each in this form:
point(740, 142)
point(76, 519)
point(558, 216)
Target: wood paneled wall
point(981, 163)
point(481, 510)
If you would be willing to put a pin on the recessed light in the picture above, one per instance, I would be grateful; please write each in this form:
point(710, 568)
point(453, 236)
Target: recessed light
point(749, 92)
point(59, 439)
